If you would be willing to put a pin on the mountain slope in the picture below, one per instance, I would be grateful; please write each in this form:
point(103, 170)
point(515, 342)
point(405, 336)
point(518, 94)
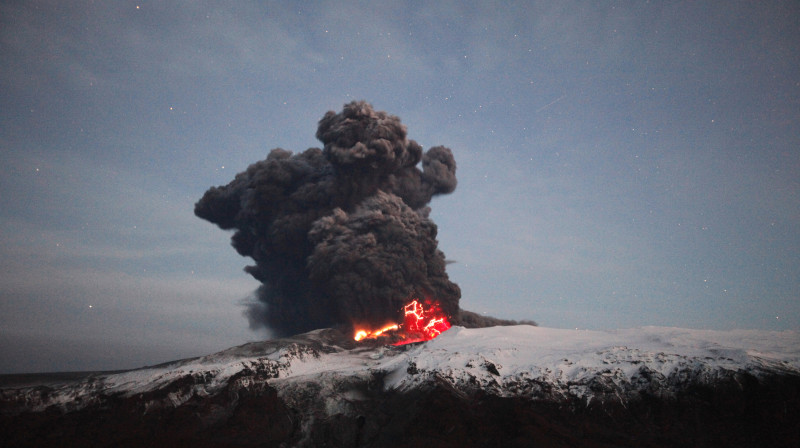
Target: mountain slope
point(469, 387)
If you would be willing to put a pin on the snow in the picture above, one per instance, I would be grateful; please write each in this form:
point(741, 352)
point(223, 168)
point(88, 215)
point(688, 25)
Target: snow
point(518, 360)
point(549, 363)
point(525, 346)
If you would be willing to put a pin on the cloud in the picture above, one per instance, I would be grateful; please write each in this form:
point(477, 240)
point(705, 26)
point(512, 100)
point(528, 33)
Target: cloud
point(340, 235)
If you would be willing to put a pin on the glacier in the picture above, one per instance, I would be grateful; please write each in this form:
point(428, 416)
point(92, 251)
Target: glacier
point(573, 386)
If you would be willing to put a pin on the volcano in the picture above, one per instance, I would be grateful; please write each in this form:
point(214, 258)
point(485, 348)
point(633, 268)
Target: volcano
point(499, 386)
point(342, 235)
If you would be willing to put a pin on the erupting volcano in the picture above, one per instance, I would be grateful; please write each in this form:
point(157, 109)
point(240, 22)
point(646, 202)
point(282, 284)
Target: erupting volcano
point(341, 235)
point(420, 323)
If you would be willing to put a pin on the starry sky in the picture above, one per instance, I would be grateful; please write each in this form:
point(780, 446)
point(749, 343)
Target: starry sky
point(620, 164)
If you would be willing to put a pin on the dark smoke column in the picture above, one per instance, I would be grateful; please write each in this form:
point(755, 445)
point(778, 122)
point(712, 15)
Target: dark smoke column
point(340, 235)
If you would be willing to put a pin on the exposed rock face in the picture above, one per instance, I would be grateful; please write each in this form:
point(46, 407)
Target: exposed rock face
point(510, 386)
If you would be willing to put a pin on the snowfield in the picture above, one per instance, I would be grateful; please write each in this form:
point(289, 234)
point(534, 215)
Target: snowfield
point(527, 361)
point(503, 359)
point(499, 386)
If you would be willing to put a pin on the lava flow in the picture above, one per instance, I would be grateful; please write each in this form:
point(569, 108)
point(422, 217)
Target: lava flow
point(418, 324)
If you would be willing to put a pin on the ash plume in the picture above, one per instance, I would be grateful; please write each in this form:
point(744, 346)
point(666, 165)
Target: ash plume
point(340, 235)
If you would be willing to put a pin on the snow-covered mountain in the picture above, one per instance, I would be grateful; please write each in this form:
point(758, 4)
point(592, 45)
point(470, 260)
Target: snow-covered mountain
point(497, 386)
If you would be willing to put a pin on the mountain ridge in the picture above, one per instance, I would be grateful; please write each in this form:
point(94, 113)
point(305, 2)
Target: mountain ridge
point(515, 383)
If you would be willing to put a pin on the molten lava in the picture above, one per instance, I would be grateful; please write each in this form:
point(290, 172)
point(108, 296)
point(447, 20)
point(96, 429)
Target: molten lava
point(419, 324)
point(361, 334)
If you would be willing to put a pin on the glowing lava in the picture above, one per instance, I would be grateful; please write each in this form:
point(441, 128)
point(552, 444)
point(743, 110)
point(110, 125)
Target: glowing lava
point(419, 324)
point(361, 334)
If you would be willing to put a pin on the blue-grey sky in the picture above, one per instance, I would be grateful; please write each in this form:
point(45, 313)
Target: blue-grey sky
point(620, 163)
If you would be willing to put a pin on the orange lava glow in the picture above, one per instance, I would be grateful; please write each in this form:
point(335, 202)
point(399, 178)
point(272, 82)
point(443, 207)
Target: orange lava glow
point(420, 323)
point(363, 334)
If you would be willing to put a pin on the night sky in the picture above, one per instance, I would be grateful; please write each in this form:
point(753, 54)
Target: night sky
point(620, 164)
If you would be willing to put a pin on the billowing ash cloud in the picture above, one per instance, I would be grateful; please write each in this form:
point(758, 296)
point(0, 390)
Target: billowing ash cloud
point(340, 235)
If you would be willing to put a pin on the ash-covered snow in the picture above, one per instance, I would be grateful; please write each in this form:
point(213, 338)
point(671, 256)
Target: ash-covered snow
point(528, 361)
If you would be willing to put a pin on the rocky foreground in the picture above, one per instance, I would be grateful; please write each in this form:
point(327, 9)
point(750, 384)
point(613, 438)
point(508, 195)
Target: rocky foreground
point(502, 386)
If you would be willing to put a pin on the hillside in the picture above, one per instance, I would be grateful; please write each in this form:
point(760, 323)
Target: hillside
point(500, 386)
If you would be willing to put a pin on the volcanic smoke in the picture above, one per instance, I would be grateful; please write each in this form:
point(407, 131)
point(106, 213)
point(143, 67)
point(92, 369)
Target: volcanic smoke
point(341, 236)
